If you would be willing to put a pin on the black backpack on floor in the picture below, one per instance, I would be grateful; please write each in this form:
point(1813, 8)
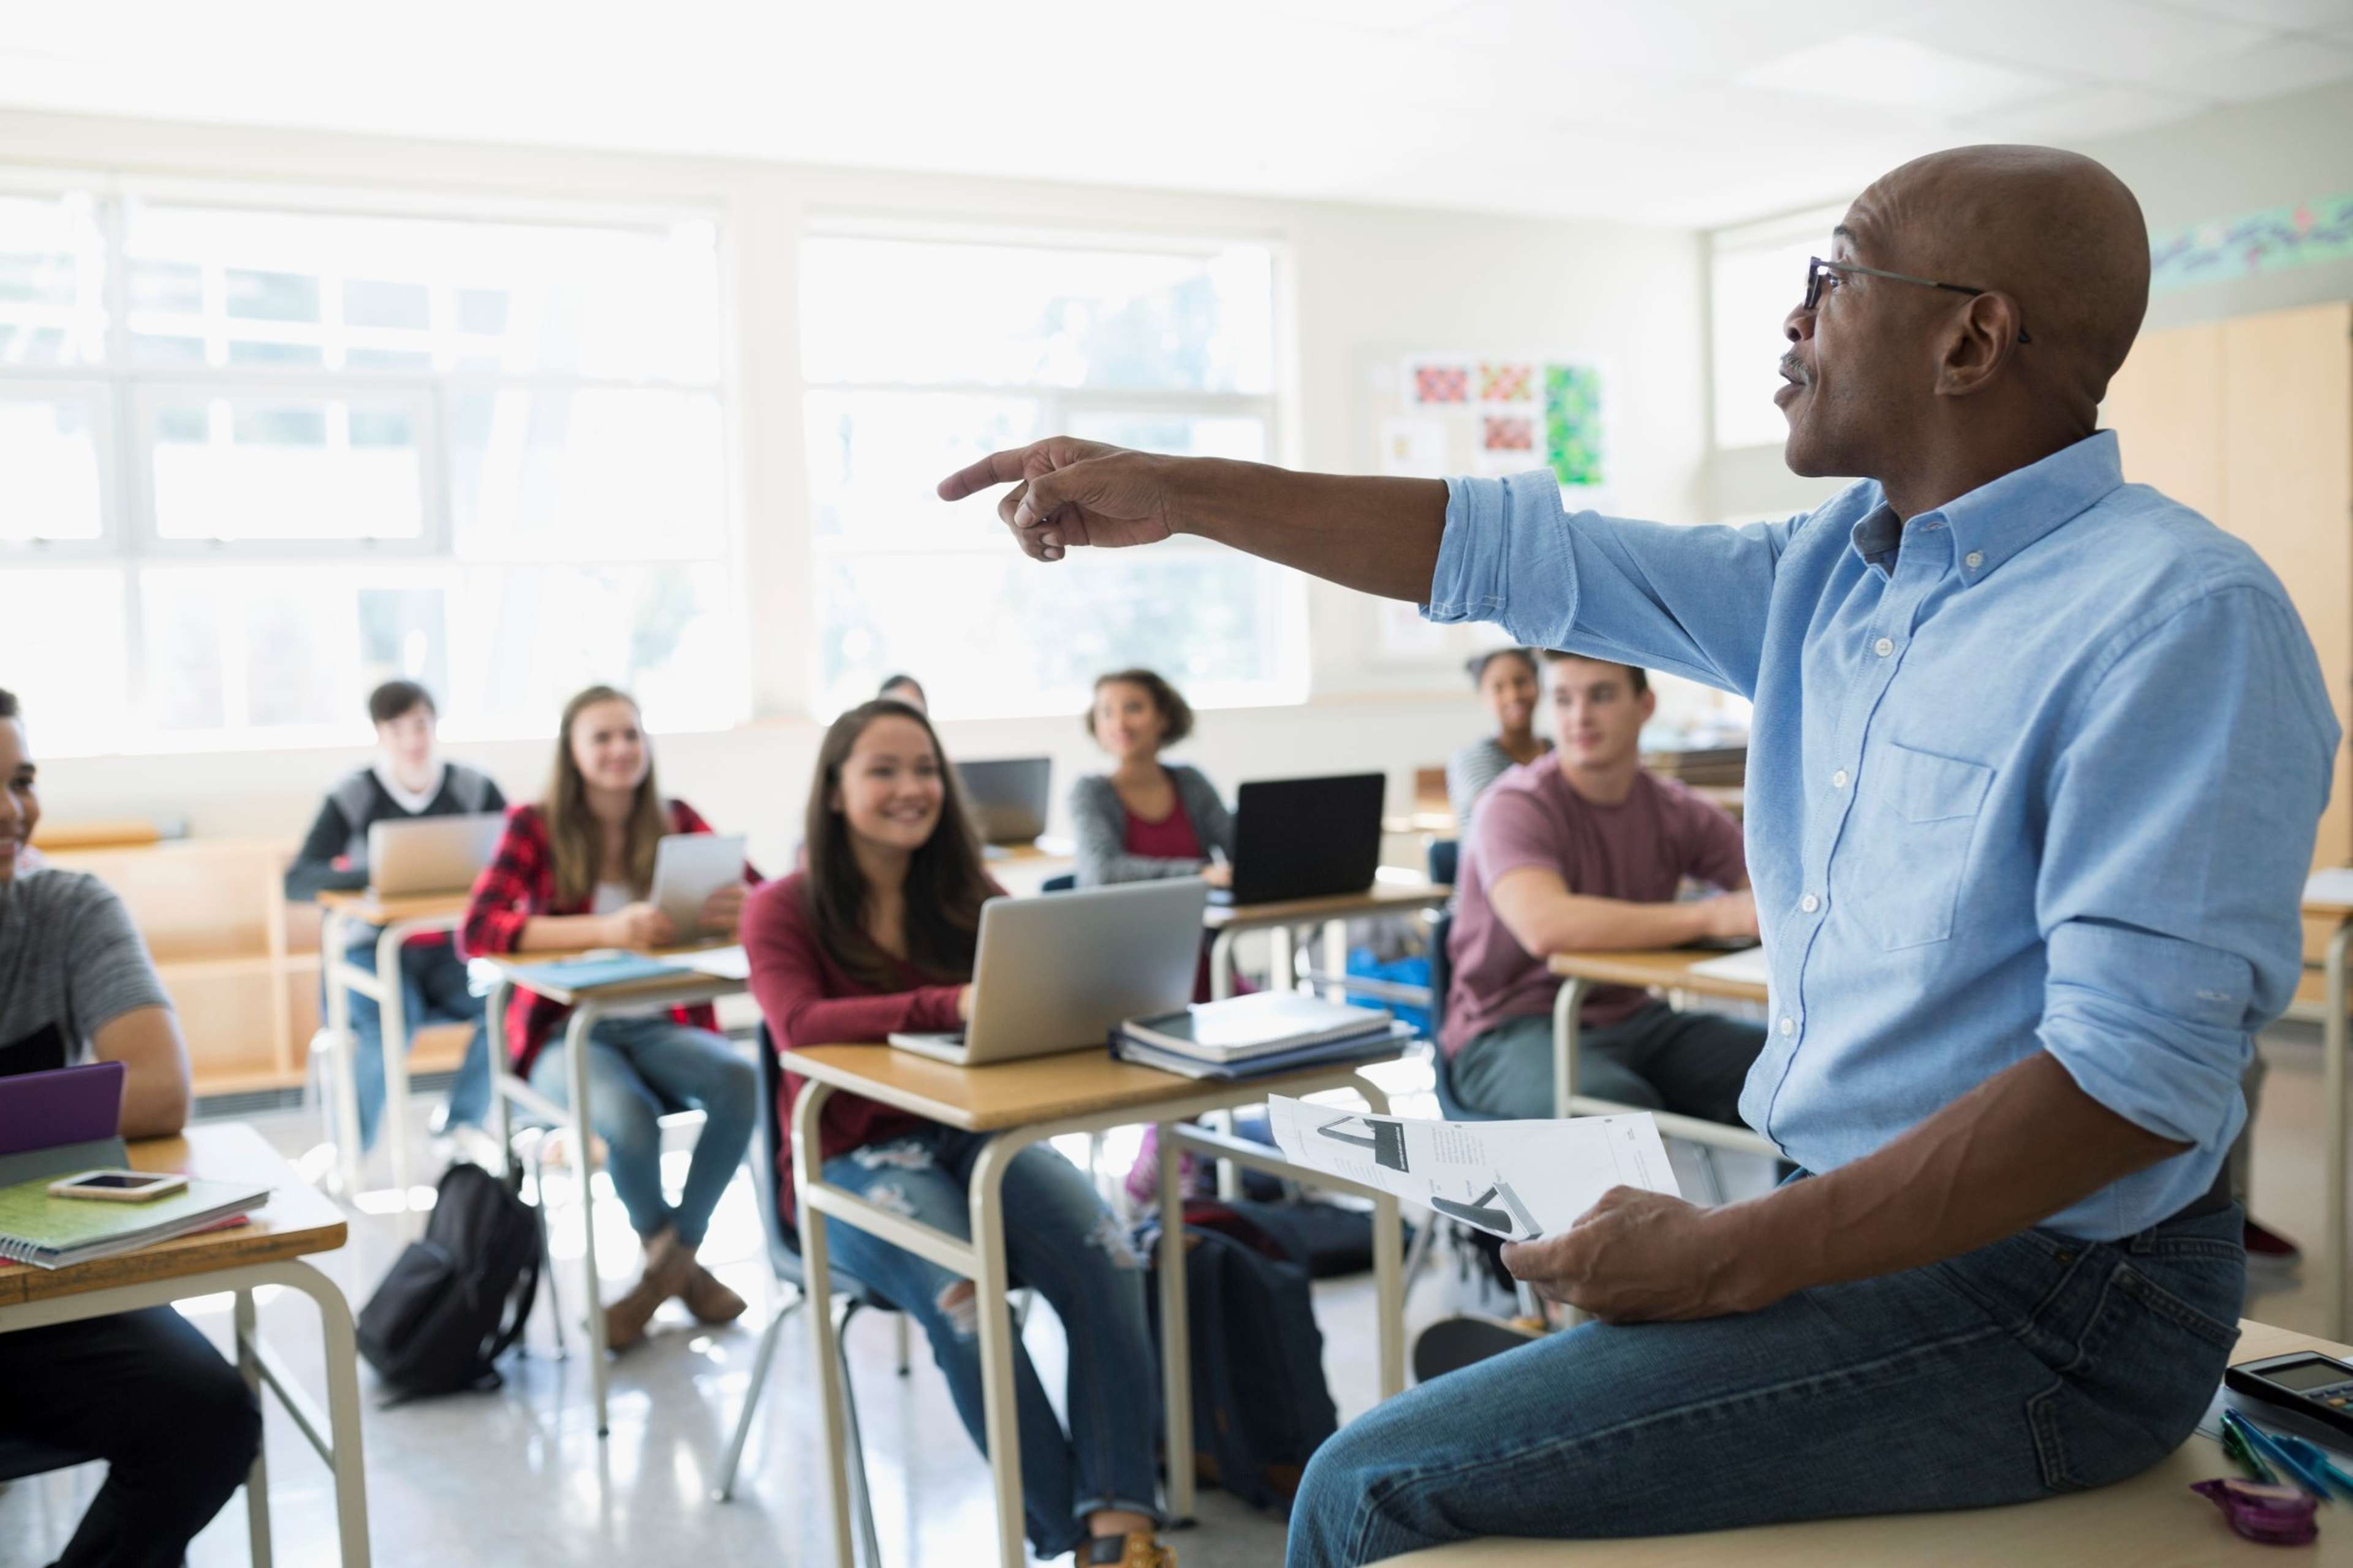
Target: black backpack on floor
point(455, 1301)
point(1261, 1406)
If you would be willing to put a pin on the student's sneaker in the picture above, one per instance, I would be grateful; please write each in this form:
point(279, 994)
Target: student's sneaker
point(1137, 1549)
point(1452, 1344)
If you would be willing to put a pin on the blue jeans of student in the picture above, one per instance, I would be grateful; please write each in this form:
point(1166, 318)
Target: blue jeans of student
point(2038, 1365)
point(639, 1071)
point(433, 990)
point(1060, 1241)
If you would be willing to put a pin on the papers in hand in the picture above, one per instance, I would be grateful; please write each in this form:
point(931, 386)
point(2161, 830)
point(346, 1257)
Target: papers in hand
point(1518, 1180)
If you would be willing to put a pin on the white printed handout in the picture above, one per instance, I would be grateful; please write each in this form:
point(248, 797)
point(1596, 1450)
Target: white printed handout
point(1518, 1180)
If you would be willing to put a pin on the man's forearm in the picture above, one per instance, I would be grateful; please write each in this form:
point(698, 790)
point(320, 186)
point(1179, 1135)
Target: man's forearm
point(1373, 534)
point(2018, 1148)
point(1580, 923)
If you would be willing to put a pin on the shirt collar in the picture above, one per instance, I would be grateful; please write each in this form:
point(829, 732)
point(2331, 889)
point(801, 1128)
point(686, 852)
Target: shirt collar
point(1996, 520)
point(409, 801)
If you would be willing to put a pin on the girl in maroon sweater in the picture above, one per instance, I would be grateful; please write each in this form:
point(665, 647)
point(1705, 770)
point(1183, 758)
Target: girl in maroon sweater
point(875, 936)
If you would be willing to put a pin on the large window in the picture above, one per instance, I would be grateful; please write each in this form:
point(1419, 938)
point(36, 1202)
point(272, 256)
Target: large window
point(921, 353)
point(259, 458)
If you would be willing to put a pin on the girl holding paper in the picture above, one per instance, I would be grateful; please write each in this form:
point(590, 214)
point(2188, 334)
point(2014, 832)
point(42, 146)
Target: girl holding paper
point(575, 871)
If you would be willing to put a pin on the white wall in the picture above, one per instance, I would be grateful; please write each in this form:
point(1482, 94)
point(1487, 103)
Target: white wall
point(1366, 281)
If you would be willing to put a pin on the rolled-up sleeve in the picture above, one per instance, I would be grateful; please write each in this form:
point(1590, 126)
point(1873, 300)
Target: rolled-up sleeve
point(2182, 814)
point(1690, 600)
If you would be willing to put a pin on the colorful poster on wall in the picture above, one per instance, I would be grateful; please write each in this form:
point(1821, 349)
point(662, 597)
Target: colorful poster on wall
point(1507, 382)
point(1573, 428)
point(1439, 382)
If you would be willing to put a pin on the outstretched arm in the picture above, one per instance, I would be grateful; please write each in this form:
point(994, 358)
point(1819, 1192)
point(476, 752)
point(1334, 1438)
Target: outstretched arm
point(1377, 535)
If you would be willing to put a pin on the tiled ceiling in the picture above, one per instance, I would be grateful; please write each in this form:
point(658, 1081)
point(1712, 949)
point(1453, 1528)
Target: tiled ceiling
point(1685, 111)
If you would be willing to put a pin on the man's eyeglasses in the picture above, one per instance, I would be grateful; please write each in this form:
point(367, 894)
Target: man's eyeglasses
point(1816, 266)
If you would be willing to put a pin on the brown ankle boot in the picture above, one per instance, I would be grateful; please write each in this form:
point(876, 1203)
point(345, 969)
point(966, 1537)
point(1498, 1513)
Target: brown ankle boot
point(709, 1298)
point(1137, 1549)
point(665, 1269)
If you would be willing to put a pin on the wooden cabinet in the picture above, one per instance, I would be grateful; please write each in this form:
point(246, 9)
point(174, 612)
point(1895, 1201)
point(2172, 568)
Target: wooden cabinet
point(241, 966)
point(2250, 421)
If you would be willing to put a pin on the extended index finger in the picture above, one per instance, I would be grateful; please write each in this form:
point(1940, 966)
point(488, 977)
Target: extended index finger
point(996, 468)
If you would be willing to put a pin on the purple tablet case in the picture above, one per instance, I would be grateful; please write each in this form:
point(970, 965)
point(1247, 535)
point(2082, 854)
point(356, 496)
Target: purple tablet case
point(60, 1121)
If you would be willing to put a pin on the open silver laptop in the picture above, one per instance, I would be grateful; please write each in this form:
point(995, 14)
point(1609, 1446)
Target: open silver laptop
point(431, 854)
point(1054, 973)
point(1007, 796)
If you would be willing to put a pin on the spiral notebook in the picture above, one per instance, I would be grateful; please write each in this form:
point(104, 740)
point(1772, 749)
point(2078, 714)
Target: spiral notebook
point(55, 1233)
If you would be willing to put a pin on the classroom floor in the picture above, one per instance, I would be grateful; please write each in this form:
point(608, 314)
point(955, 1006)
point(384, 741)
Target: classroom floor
point(517, 1476)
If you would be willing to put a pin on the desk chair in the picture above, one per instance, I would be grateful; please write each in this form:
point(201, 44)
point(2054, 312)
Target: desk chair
point(1067, 882)
point(850, 1296)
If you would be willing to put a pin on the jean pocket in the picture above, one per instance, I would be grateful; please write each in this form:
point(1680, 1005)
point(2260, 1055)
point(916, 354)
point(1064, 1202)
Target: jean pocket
point(1915, 835)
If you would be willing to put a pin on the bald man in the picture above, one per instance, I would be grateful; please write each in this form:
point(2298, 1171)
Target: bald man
point(2037, 761)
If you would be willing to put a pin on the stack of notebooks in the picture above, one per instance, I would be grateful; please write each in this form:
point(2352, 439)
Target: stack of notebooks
point(1258, 1036)
point(55, 1233)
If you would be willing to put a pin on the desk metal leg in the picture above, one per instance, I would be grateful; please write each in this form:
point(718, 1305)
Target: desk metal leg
point(345, 1117)
point(2333, 1031)
point(818, 1282)
point(1221, 964)
point(576, 1064)
point(494, 1021)
point(392, 1010)
point(1567, 1008)
point(992, 1283)
point(345, 1455)
point(1388, 1266)
point(256, 1479)
point(1176, 1336)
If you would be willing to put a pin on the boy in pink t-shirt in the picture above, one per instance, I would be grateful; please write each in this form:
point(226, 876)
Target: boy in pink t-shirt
point(1582, 851)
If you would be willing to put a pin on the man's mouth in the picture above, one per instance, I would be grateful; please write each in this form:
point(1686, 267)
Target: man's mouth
point(1793, 378)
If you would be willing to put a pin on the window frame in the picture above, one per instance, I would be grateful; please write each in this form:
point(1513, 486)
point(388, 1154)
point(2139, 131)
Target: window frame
point(126, 394)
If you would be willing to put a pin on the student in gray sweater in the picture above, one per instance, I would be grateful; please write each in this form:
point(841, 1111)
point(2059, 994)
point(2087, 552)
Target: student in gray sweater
point(408, 780)
point(1507, 683)
point(1145, 818)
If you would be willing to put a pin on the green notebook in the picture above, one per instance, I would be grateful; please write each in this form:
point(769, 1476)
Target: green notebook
point(52, 1233)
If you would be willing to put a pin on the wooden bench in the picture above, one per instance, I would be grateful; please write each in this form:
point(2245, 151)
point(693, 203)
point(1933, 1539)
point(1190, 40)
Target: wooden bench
point(2153, 1521)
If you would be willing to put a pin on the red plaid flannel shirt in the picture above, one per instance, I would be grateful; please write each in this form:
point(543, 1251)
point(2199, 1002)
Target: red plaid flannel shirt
point(519, 883)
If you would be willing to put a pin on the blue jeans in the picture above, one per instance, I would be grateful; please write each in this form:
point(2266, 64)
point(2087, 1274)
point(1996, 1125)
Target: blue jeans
point(433, 991)
point(1060, 1241)
point(639, 1071)
point(1695, 1064)
point(2038, 1365)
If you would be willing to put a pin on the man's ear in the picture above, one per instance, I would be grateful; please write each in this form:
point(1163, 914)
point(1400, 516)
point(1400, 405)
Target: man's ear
point(1977, 342)
point(1650, 703)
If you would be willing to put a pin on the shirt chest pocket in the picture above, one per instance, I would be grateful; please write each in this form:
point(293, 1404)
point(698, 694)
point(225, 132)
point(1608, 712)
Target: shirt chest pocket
point(1917, 813)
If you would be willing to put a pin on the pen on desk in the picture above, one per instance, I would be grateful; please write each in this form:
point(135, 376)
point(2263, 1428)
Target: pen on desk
point(2279, 1458)
point(2240, 1452)
point(2315, 1457)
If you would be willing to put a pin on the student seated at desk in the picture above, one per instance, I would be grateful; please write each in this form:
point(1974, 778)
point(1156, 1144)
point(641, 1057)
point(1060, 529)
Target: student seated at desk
point(144, 1390)
point(877, 935)
point(1145, 818)
point(408, 780)
point(1509, 684)
point(905, 688)
point(1579, 850)
point(573, 872)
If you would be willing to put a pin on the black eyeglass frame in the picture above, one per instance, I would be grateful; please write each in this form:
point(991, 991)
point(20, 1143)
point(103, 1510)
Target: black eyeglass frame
point(1816, 266)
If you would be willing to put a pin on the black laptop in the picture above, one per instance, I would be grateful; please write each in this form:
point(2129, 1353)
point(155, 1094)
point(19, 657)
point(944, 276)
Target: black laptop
point(1006, 797)
point(1305, 839)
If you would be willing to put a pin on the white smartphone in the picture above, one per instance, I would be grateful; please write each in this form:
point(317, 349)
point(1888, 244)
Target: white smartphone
point(119, 1186)
point(687, 868)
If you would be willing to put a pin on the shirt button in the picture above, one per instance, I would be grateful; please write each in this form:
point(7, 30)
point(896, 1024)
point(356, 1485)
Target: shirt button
point(1838, 779)
point(1810, 903)
point(1973, 559)
point(1884, 646)
point(1789, 1024)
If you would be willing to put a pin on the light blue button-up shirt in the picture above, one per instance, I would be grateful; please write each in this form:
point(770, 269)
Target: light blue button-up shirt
point(2040, 769)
